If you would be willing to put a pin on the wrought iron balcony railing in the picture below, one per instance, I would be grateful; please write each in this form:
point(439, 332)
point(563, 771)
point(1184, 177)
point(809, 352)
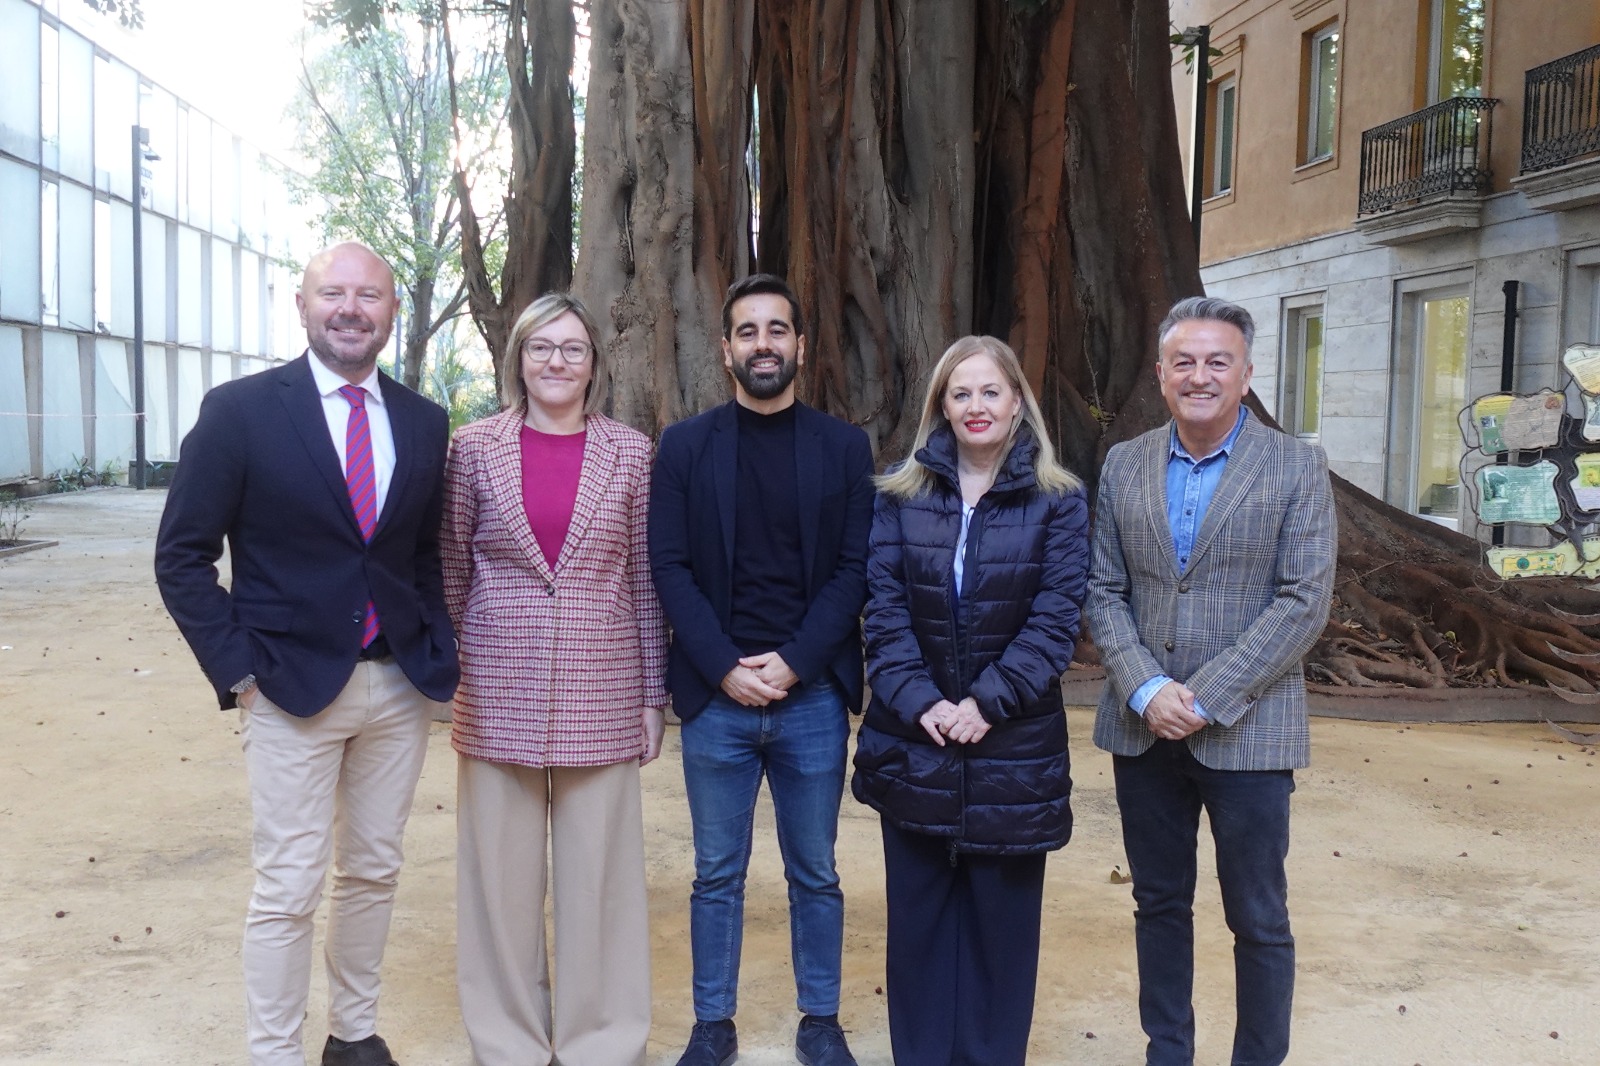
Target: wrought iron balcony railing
point(1440, 150)
point(1561, 111)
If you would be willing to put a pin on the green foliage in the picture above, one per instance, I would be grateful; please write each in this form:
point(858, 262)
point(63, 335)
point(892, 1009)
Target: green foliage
point(13, 513)
point(461, 385)
point(127, 12)
point(374, 112)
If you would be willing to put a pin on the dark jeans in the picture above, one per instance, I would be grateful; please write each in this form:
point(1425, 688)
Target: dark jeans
point(1160, 794)
point(963, 952)
point(798, 745)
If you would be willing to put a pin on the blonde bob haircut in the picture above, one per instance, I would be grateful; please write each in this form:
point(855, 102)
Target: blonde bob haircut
point(912, 479)
point(543, 311)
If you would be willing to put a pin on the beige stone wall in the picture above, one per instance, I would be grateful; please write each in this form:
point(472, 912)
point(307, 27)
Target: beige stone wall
point(1277, 200)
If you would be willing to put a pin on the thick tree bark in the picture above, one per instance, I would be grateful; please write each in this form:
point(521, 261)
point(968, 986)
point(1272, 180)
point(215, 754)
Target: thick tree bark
point(665, 201)
point(538, 203)
point(928, 170)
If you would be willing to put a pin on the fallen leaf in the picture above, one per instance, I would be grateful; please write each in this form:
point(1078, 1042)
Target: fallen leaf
point(1118, 877)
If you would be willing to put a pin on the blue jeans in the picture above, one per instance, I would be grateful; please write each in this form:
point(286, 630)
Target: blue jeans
point(798, 743)
point(1160, 794)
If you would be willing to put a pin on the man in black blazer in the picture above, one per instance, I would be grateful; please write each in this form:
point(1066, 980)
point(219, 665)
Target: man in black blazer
point(759, 514)
point(325, 479)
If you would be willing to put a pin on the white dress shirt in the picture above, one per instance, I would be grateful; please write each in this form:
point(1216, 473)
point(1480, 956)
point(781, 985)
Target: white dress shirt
point(336, 409)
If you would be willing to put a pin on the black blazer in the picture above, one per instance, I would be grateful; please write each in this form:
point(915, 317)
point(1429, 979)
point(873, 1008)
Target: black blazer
point(260, 470)
point(691, 550)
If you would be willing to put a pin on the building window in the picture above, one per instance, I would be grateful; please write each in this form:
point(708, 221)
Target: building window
point(50, 90)
point(1321, 95)
point(1455, 48)
point(1223, 110)
point(1430, 389)
point(50, 251)
point(1300, 375)
point(102, 266)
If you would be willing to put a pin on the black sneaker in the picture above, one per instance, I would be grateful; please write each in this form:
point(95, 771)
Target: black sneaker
point(820, 1042)
point(711, 1044)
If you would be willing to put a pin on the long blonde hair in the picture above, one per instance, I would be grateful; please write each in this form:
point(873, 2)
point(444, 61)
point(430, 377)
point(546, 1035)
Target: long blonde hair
point(912, 479)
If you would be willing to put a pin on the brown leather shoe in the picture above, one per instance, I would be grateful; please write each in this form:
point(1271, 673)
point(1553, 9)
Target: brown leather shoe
point(369, 1052)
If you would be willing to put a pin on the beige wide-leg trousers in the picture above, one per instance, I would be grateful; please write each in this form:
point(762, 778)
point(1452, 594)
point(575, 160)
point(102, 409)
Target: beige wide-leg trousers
point(592, 822)
point(333, 787)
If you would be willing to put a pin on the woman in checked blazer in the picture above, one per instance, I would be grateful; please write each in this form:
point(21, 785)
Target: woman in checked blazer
point(563, 651)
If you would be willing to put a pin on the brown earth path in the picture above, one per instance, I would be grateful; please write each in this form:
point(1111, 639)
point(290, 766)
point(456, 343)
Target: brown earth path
point(1444, 878)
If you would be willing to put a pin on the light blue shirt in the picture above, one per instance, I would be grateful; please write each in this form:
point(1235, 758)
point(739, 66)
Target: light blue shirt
point(961, 544)
point(1191, 483)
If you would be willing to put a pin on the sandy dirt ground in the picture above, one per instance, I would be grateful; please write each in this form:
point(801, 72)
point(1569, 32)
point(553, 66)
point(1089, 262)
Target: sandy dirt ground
point(1443, 877)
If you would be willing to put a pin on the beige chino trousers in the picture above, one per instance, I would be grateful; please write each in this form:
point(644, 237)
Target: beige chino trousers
point(591, 820)
point(333, 787)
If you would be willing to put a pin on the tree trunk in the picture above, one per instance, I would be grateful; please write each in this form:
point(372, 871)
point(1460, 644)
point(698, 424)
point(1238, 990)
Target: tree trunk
point(928, 170)
point(537, 211)
point(664, 225)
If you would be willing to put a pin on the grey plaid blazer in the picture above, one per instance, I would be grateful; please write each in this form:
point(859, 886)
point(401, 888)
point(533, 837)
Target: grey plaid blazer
point(1235, 624)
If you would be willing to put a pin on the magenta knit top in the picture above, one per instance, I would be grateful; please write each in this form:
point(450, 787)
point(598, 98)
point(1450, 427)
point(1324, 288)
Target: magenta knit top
point(551, 465)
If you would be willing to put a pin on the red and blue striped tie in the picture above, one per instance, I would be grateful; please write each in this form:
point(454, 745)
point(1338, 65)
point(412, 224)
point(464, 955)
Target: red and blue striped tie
point(362, 480)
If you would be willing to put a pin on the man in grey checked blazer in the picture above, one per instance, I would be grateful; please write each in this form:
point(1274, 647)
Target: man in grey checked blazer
point(1213, 565)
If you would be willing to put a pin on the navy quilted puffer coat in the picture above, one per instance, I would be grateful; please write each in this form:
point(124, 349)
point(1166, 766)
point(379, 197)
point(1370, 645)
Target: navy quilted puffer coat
point(1005, 642)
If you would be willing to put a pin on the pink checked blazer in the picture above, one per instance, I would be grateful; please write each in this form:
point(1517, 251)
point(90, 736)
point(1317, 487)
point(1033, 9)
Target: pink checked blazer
point(557, 663)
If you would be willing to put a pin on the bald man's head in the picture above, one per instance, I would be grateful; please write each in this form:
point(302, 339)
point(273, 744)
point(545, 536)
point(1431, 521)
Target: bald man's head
point(347, 304)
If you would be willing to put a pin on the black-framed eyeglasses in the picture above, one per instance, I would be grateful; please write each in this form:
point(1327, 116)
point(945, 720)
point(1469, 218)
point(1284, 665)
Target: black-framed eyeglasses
point(542, 351)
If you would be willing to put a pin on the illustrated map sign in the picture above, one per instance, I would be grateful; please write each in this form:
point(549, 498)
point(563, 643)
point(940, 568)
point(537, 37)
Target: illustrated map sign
point(1518, 493)
point(1507, 422)
point(1583, 363)
point(1559, 560)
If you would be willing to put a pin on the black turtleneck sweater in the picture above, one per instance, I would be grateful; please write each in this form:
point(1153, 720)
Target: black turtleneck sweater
point(769, 579)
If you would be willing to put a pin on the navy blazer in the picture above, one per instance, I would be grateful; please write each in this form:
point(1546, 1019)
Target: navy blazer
point(259, 469)
point(691, 550)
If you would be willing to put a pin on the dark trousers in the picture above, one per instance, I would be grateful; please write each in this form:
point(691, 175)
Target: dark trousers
point(1160, 794)
point(963, 952)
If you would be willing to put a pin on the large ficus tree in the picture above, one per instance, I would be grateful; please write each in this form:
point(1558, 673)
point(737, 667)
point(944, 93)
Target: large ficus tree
point(922, 169)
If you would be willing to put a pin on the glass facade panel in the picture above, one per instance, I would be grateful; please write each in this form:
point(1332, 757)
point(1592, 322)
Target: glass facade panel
point(14, 458)
point(77, 107)
point(191, 288)
point(102, 266)
point(191, 387)
point(76, 269)
point(121, 319)
point(199, 167)
point(113, 395)
point(224, 336)
point(225, 184)
point(158, 442)
point(19, 242)
point(19, 80)
point(61, 431)
point(50, 252)
point(116, 91)
point(249, 303)
point(158, 113)
point(49, 96)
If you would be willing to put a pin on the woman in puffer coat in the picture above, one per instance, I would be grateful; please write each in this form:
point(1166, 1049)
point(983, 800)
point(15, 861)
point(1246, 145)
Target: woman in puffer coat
point(976, 573)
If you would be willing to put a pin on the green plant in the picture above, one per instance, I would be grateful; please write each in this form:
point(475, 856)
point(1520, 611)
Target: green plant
point(80, 475)
point(13, 513)
point(110, 473)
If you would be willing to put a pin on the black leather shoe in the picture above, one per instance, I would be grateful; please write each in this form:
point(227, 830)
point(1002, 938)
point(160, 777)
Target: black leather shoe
point(711, 1044)
point(820, 1042)
point(369, 1052)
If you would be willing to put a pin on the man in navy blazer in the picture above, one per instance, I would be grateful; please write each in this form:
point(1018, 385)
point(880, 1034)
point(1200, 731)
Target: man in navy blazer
point(325, 479)
point(759, 514)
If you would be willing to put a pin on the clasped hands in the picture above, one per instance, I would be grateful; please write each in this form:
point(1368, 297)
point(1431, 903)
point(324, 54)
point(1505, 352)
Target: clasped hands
point(1170, 713)
point(961, 722)
point(759, 680)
